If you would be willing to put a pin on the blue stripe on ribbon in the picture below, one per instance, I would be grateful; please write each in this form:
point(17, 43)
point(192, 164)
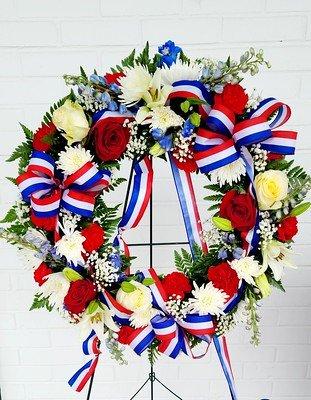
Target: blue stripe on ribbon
point(227, 373)
point(183, 203)
point(85, 344)
point(43, 156)
point(46, 214)
point(90, 182)
point(237, 299)
point(144, 343)
point(279, 149)
point(254, 138)
point(215, 124)
point(29, 190)
point(199, 85)
point(76, 376)
point(219, 163)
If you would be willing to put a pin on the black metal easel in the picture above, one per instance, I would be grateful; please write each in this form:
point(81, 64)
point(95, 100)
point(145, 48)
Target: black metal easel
point(152, 376)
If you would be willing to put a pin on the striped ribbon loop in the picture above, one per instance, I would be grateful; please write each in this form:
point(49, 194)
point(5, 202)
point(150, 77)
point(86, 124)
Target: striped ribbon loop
point(90, 347)
point(195, 90)
point(47, 194)
point(140, 196)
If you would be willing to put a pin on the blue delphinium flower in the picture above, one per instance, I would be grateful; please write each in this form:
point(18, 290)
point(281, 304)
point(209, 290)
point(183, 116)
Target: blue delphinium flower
point(115, 260)
point(165, 141)
point(169, 53)
point(238, 253)
point(122, 109)
point(223, 254)
point(188, 128)
point(139, 276)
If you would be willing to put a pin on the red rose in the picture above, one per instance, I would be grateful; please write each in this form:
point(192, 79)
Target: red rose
point(233, 97)
point(113, 78)
point(274, 156)
point(110, 138)
point(224, 277)
point(240, 209)
point(124, 334)
point(46, 223)
point(176, 283)
point(94, 237)
point(287, 229)
point(42, 140)
point(79, 295)
point(41, 273)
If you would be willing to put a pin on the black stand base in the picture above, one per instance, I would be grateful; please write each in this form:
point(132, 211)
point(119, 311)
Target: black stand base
point(152, 378)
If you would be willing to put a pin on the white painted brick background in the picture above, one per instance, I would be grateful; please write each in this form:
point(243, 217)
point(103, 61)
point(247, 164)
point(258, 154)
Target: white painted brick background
point(41, 40)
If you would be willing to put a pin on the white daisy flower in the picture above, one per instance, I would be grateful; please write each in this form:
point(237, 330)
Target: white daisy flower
point(163, 117)
point(55, 287)
point(73, 158)
point(207, 300)
point(247, 268)
point(230, 173)
point(71, 246)
point(180, 71)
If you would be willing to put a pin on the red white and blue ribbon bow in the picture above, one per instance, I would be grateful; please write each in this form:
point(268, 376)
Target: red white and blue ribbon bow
point(140, 195)
point(220, 144)
point(90, 347)
point(47, 194)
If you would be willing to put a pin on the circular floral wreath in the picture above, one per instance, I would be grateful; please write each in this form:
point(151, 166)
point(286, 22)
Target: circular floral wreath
point(196, 115)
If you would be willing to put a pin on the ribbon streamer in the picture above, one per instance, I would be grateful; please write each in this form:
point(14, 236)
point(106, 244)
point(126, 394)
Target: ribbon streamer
point(90, 347)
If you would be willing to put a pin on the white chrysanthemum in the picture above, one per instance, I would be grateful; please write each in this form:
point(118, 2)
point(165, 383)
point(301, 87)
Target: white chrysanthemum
point(180, 71)
point(276, 255)
point(164, 117)
point(142, 317)
point(230, 173)
point(55, 287)
point(73, 158)
point(207, 300)
point(247, 268)
point(134, 84)
point(71, 246)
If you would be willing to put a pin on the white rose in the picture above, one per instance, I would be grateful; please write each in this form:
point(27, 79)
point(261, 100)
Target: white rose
point(70, 118)
point(271, 187)
point(138, 299)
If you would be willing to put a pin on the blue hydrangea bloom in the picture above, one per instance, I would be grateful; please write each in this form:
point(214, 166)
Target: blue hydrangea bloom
point(122, 109)
point(169, 53)
point(116, 260)
point(166, 142)
point(112, 106)
point(223, 254)
point(157, 134)
point(238, 253)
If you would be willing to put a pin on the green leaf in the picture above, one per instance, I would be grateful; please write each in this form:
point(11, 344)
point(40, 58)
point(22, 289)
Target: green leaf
point(92, 307)
point(300, 209)
point(128, 61)
point(41, 302)
point(28, 133)
point(195, 119)
point(71, 275)
point(275, 283)
point(82, 72)
point(127, 287)
point(222, 224)
point(10, 216)
point(143, 58)
point(148, 282)
point(11, 179)
point(185, 106)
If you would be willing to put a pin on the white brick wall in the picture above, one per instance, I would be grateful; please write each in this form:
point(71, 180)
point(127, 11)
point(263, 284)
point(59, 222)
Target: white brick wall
point(41, 40)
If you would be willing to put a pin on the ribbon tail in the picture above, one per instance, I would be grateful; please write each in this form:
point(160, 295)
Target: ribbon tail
point(83, 375)
point(223, 355)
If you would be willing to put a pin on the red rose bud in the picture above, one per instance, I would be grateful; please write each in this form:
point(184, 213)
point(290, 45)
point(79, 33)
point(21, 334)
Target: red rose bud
point(79, 295)
point(274, 156)
point(177, 284)
point(94, 237)
point(224, 277)
point(42, 140)
point(110, 138)
point(46, 223)
point(41, 273)
point(287, 229)
point(240, 209)
point(113, 78)
point(124, 334)
point(233, 97)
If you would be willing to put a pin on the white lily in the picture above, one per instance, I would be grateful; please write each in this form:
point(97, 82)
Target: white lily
point(276, 255)
point(100, 318)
